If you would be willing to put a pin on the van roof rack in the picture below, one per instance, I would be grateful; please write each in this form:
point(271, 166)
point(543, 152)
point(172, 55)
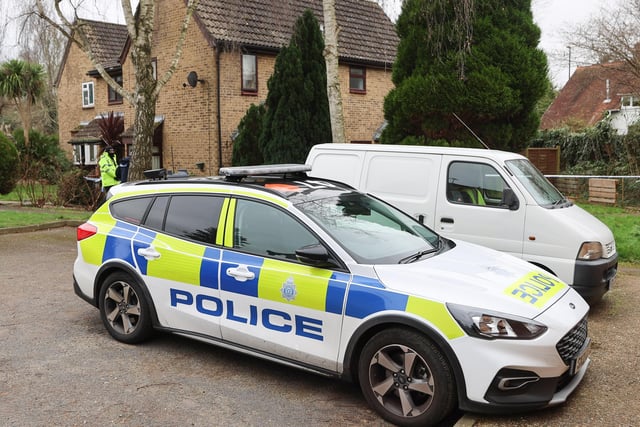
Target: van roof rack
point(237, 173)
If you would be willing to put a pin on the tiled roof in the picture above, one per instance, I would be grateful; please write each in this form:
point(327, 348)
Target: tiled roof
point(585, 98)
point(366, 33)
point(107, 41)
point(89, 133)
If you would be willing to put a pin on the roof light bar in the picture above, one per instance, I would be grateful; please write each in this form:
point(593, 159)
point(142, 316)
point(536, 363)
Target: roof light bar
point(240, 171)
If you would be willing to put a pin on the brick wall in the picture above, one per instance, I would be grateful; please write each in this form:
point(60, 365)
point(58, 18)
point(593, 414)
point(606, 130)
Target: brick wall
point(70, 110)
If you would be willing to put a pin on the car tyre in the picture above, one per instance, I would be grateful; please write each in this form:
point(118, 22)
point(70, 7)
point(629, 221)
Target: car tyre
point(124, 309)
point(406, 378)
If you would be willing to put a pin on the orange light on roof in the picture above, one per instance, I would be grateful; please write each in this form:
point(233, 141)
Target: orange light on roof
point(282, 187)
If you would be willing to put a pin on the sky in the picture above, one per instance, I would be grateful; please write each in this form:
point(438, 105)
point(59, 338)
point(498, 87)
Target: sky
point(554, 17)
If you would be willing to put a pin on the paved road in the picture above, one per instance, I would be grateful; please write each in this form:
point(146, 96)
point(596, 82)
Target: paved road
point(58, 365)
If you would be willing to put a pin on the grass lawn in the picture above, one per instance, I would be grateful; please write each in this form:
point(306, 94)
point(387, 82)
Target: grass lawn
point(625, 225)
point(23, 216)
point(22, 190)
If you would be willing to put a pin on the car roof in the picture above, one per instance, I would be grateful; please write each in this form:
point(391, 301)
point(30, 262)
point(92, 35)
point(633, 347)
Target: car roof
point(288, 181)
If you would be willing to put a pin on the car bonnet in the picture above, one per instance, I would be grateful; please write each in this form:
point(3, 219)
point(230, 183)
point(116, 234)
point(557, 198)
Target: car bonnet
point(476, 276)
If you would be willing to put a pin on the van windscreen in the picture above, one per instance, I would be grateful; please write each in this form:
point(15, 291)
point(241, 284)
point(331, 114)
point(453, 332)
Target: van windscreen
point(544, 193)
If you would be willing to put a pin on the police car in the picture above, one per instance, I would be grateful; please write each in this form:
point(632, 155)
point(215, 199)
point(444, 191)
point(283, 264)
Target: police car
point(314, 274)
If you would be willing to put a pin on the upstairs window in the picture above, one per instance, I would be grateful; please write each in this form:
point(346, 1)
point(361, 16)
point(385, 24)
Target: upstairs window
point(357, 80)
point(87, 95)
point(154, 67)
point(630, 101)
point(249, 74)
point(113, 96)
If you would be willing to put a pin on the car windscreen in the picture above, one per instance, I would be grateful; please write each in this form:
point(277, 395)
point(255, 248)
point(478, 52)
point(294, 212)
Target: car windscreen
point(371, 231)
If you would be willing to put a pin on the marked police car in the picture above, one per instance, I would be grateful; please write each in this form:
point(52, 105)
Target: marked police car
point(314, 274)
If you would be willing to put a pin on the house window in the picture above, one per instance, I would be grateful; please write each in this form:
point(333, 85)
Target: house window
point(154, 66)
point(249, 74)
point(630, 101)
point(85, 154)
point(87, 95)
point(357, 80)
point(115, 97)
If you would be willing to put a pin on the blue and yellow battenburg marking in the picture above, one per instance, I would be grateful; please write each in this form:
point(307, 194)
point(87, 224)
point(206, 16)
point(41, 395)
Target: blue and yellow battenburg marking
point(535, 288)
point(273, 280)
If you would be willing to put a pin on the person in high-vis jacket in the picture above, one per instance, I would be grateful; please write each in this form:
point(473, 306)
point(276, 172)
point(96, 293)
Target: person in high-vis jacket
point(108, 167)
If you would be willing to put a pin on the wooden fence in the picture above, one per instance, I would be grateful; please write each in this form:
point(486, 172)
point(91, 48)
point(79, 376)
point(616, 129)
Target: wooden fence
point(602, 191)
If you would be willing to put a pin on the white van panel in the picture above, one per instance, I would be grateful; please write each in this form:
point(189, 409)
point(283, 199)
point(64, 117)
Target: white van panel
point(339, 166)
point(408, 181)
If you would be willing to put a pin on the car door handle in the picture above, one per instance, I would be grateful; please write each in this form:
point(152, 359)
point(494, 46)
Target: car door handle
point(241, 273)
point(149, 253)
point(446, 220)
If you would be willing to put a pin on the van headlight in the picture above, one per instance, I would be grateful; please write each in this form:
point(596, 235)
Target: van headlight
point(488, 324)
point(590, 250)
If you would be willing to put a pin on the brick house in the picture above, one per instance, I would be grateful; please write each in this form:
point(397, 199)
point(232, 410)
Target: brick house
point(83, 95)
point(594, 93)
point(226, 63)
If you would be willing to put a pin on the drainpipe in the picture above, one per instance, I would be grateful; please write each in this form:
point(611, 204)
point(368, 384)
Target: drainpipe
point(218, 103)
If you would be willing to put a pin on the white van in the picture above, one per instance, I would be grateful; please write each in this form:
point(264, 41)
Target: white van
point(492, 198)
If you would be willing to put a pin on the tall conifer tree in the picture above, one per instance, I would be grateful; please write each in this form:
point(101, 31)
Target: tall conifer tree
point(297, 114)
point(245, 147)
point(476, 59)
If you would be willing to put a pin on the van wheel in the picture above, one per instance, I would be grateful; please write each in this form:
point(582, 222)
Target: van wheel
point(123, 309)
point(406, 378)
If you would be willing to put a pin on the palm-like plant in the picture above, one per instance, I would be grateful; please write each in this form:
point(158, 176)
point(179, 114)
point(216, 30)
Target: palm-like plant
point(23, 83)
point(111, 127)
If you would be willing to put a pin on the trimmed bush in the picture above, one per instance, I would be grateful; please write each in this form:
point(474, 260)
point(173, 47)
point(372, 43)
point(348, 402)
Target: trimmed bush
point(8, 165)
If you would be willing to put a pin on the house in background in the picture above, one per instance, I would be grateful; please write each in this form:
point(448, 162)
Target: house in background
point(83, 95)
point(227, 60)
point(595, 93)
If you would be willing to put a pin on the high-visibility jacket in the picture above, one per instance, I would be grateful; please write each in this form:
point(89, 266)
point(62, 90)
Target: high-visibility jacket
point(108, 168)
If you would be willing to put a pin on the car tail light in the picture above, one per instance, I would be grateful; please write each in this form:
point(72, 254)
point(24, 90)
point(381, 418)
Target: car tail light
point(85, 230)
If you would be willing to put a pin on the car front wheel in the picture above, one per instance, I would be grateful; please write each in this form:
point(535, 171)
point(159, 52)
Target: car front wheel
point(406, 378)
point(123, 309)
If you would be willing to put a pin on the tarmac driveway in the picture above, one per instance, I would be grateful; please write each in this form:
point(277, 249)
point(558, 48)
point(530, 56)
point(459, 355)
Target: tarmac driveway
point(58, 365)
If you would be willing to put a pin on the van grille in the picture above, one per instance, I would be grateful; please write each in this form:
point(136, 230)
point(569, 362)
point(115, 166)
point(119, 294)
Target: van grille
point(573, 341)
point(610, 248)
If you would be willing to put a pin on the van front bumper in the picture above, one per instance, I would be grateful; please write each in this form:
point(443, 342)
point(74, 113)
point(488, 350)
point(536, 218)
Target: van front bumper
point(592, 279)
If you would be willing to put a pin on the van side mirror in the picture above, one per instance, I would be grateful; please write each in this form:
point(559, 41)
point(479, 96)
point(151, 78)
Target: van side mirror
point(510, 200)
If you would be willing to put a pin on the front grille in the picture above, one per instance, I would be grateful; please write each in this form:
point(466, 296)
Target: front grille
point(610, 248)
point(573, 341)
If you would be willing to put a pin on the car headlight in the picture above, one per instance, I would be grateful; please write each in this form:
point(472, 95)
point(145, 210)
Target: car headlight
point(487, 324)
point(590, 250)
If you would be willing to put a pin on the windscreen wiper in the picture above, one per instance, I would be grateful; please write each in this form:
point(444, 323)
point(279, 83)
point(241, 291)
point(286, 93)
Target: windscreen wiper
point(417, 256)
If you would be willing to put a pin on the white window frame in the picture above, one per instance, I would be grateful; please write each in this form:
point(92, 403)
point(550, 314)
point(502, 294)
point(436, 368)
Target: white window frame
point(88, 95)
point(249, 73)
point(629, 101)
point(87, 153)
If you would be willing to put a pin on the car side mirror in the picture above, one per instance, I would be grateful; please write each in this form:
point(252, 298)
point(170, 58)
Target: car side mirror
point(314, 255)
point(510, 200)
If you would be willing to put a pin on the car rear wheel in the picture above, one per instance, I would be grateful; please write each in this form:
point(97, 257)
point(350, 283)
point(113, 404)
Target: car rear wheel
point(406, 378)
point(123, 309)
